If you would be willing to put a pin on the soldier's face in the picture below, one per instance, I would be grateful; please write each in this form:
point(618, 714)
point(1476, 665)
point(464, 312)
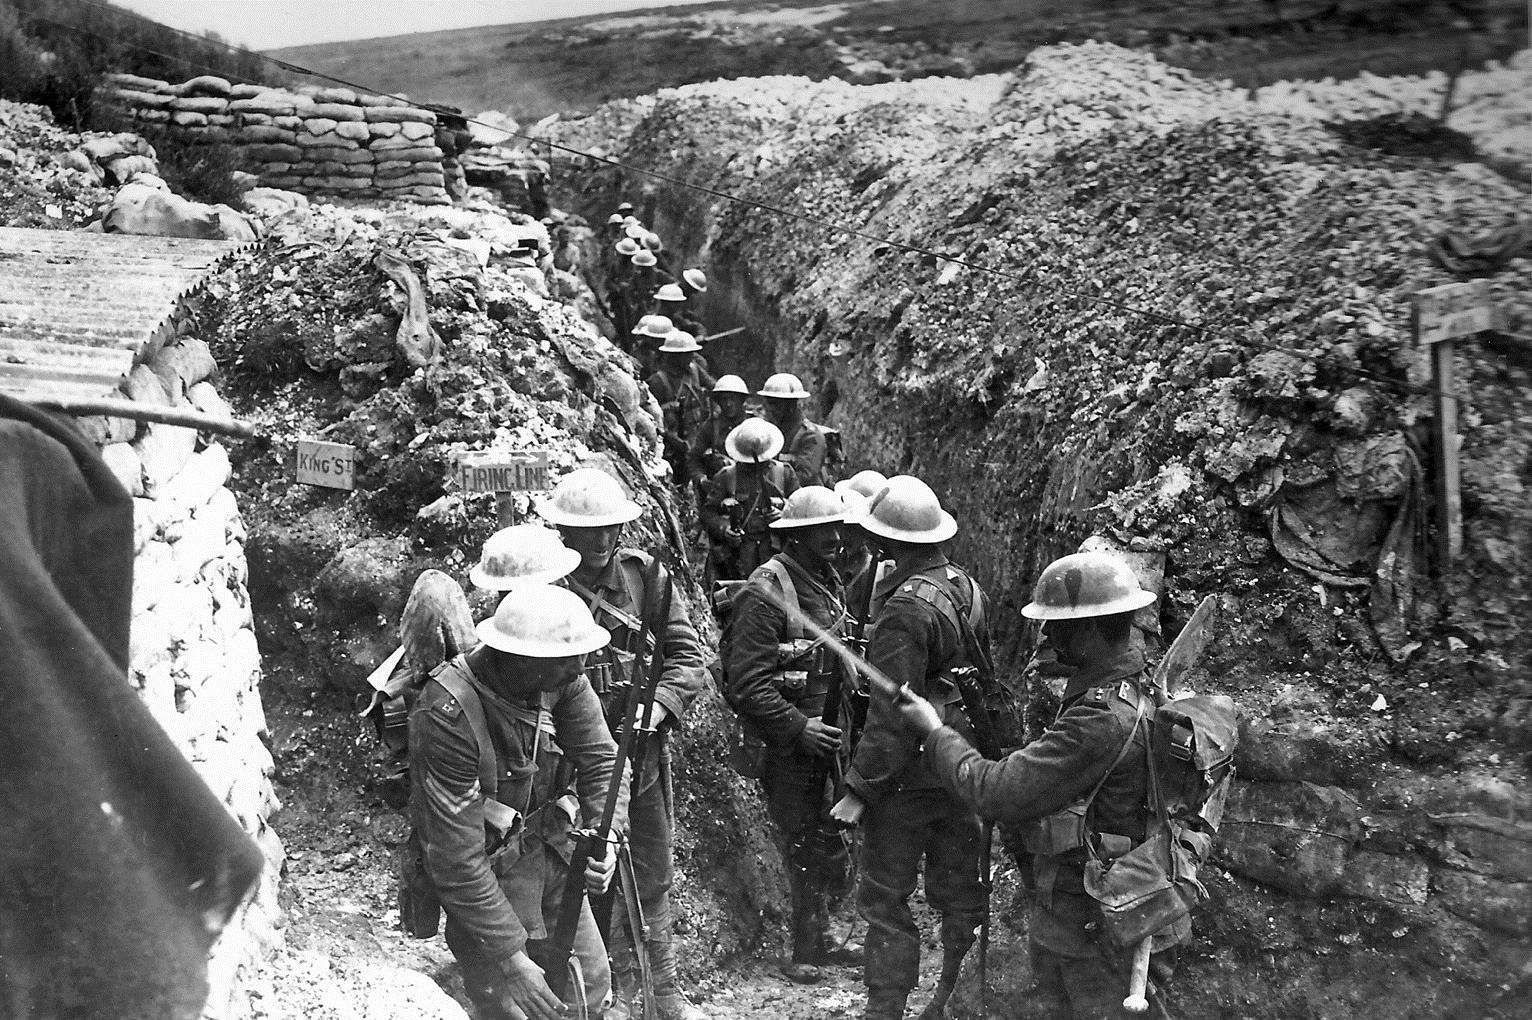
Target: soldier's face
point(822, 541)
point(550, 674)
point(730, 405)
point(596, 546)
point(675, 362)
point(779, 409)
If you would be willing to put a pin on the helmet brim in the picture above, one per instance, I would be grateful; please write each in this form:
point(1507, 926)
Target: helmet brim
point(783, 524)
point(553, 515)
point(943, 531)
point(782, 396)
point(1129, 603)
point(693, 348)
point(592, 640)
point(732, 449)
point(565, 563)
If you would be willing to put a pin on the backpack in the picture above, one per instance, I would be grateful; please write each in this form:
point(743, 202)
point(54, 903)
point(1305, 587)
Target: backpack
point(1190, 761)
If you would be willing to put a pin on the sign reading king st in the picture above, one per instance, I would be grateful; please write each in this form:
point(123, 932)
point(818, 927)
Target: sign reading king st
point(332, 465)
point(1453, 310)
point(503, 471)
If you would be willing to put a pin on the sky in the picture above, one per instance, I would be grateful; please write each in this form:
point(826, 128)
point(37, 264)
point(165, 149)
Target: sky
point(268, 24)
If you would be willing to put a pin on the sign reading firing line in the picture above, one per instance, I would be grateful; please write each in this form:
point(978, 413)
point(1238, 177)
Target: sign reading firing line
point(1453, 310)
point(503, 471)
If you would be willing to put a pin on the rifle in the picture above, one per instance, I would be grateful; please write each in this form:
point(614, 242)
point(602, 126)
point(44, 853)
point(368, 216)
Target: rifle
point(640, 699)
point(824, 663)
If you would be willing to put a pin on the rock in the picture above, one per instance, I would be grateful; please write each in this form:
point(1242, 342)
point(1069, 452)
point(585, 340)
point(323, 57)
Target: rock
point(1295, 836)
point(205, 397)
point(164, 451)
point(181, 365)
point(394, 993)
point(138, 209)
point(367, 580)
point(1497, 847)
point(204, 474)
point(124, 462)
point(1505, 907)
point(1386, 878)
point(1301, 751)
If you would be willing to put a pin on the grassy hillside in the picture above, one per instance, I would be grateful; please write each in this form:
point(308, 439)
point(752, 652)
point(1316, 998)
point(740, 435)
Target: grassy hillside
point(533, 69)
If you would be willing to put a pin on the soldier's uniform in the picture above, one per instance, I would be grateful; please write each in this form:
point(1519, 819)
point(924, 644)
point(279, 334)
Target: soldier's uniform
point(1031, 789)
point(804, 450)
point(731, 496)
point(771, 683)
point(617, 598)
point(503, 902)
point(916, 638)
point(707, 452)
point(686, 403)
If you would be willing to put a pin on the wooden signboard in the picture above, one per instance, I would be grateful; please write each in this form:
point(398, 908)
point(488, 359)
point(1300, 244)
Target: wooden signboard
point(1443, 314)
point(332, 465)
point(503, 472)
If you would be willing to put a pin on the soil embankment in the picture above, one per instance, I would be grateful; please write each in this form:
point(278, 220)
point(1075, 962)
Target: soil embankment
point(1192, 334)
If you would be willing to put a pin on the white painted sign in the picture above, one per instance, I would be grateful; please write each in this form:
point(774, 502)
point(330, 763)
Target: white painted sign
point(332, 465)
point(503, 471)
point(1453, 310)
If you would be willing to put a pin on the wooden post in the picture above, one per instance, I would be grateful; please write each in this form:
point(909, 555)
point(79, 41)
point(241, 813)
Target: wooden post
point(505, 508)
point(1442, 314)
point(1449, 496)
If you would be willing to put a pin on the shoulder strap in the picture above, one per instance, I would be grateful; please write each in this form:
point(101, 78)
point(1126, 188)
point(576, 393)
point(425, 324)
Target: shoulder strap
point(1122, 753)
point(967, 623)
point(789, 595)
point(451, 676)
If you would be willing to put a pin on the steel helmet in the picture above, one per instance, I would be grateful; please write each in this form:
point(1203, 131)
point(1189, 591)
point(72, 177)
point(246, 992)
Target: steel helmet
point(589, 498)
point(636, 231)
point(625, 207)
point(785, 386)
point(614, 219)
point(543, 622)
point(731, 384)
point(627, 246)
point(679, 342)
point(645, 258)
point(656, 326)
point(906, 510)
point(639, 327)
point(669, 292)
point(1084, 585)
point(696, 279)
point(857, 490)
point(652, 241)
point(520, 555)
point(808, 506)
point(753, 441)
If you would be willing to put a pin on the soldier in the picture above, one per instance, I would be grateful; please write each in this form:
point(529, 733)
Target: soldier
point(927, 615)
point(708, 456)
point(804, 445)
point(619, 290)
point(778, 681)
point(672, 301)
point(1094, 754)
point(500, 891)
point(589, 509)
point(745, 497)
point(859, 564)
point(682, 390)
point(648, 330)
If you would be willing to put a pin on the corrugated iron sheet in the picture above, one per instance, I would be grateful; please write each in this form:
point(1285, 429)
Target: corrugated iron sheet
point(76, 307)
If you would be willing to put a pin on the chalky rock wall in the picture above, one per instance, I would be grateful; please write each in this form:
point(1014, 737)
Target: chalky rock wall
point(315, 141)
point(194, 659)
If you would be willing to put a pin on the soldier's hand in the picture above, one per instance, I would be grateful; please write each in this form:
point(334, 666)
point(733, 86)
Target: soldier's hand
point(918, 714)
point(528, 990)
point(848, 811)
point(598, 871)
point(657, 717)
point(819, 738)
point(734, 536)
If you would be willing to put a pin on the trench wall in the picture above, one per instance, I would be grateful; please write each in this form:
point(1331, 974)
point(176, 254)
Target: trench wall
point(193, 658)
point(325, 142)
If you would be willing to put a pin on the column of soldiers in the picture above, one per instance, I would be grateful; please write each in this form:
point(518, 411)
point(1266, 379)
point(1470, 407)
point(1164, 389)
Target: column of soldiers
point(828, 587)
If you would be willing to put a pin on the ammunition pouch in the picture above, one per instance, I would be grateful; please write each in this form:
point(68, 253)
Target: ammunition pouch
point(611, 673)
point(1057, 834)
point(1150, 887)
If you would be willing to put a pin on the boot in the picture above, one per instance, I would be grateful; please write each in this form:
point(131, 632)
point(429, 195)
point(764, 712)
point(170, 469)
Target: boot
point(672, 1005)
point(885, 1004)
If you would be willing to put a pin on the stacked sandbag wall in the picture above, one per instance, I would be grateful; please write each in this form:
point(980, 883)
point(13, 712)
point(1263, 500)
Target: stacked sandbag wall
point(193, 656)
point(322, 142)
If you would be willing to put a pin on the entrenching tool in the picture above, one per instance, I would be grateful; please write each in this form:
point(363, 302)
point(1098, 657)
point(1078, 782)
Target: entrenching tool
point(638, 927)
point(1168, 684)
point(639, 703)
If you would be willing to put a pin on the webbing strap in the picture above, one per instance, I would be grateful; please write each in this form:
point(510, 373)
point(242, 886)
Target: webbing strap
point(1127, 745)
point(457, 685)
point(599, 605)
point(795, 629)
